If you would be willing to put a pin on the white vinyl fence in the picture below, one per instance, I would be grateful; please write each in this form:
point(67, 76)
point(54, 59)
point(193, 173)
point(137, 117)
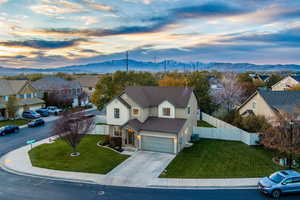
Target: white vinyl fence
point(100, 129)
point(224, 131)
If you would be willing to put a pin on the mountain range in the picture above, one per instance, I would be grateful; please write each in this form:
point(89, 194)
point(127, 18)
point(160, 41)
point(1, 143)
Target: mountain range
point(114, 65)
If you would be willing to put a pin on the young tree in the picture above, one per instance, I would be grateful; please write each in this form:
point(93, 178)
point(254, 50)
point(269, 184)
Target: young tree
point(285, 138)
point(232, 92)
point(12, 107)
point(72, 127)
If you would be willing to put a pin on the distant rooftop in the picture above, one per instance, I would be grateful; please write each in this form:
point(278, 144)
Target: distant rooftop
point(55, 83)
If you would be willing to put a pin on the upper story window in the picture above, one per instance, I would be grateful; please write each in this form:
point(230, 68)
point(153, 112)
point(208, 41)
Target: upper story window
point(253, 105)
point(90, 88)
point(22, 96)
point(117, 113)
point(189, 110)
point(135, 111)
point(167, 111)
point(5, 98)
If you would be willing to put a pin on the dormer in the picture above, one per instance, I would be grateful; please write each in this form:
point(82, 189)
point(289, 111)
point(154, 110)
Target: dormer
point(166, 110)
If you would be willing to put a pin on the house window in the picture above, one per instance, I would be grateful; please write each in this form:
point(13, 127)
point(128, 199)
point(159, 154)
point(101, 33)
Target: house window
point(253, 105)
point(28, 96)
point(166, 111)
point(135, 111)
point(22, 96)
point(90, 88)
point(5, 98)
point(117, 131)
point(117, 113)
point(189, 110)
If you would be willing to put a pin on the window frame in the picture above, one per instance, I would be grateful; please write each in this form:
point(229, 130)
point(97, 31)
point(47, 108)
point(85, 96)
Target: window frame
point(117, 131)
point(138, 111)
point(164, 109)
point(189, 110)
point(117, 113)
point(254, 105)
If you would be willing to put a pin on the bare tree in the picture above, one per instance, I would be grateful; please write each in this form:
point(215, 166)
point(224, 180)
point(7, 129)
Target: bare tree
point(284, 137)
point(12, 107)
point(72, 127)
point(232, 92)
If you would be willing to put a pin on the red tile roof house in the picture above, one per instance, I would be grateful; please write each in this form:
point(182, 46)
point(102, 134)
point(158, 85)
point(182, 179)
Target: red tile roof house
point(150, 118)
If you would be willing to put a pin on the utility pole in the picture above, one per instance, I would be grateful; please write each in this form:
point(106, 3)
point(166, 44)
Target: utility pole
point(165, 66)
point(127, 61)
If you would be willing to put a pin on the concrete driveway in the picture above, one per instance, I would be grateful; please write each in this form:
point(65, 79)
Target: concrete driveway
point(140, 168)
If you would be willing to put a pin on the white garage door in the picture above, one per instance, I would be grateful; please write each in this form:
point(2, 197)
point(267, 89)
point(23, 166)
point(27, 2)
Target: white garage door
point(158, 144)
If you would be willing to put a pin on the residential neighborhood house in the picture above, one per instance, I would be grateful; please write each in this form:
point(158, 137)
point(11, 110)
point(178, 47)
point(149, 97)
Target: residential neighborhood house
point(88, 83)
point(56, 85)
point(286, 83)
point(25, 94)
point(271, 103)
point(150, 118)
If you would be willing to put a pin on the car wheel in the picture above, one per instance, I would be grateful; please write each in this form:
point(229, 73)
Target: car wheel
point(3, 133)
point(276, 194)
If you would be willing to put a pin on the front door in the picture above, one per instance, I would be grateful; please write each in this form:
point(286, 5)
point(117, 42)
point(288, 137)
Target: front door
point(130, 137)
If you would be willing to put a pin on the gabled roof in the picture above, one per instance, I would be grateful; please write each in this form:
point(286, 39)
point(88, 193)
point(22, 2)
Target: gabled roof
point(287, 101)
point(264, 77)
point(55, 83)
point(11, 87)
point(149, 96)
point(156, 124)
point(88, 81)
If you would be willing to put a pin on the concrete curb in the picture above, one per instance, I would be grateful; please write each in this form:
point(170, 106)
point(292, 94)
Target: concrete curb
point(12, 171)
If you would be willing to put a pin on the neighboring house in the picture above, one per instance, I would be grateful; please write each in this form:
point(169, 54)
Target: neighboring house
point(271, 103)
point(215, 85)
point(56, 85)
point(286, 83)
point(153, 118)
point(88, 83)
point(24, 92)
point(260, 77)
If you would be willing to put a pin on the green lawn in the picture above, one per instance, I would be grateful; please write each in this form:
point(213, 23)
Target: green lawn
point(17, 122)
point(93, 159)
point(204, 124)
point(221, 159)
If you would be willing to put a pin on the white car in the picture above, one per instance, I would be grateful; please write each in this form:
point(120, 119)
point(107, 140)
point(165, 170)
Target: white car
point(54, 110)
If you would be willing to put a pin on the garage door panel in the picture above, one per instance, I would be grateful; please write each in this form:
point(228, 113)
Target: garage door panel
point(158, 144)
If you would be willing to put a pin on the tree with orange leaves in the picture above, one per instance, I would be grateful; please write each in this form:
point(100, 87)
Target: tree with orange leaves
point(172, 81)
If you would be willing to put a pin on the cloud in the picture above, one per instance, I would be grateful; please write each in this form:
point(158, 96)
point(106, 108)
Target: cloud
point(57, 7)
point(42, 44)
point(89, 20)
point(98, 6)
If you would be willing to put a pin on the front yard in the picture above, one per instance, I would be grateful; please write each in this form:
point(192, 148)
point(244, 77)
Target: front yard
point(17, 122)
point(93, 159)
point(221, 159)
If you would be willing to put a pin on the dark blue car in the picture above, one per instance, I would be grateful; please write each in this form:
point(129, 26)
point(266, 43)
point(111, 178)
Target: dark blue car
point(43, 112)
point(36, 123)
point(8, 129)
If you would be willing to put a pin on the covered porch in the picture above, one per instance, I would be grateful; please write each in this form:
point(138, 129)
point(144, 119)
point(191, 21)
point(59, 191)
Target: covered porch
point(130, 137)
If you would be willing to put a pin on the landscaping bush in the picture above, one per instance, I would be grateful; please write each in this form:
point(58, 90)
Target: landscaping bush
point(251, 123)
point(106, 140)
point(116, 142)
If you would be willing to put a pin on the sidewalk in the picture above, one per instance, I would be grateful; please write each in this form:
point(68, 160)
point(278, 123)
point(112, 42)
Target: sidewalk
point(18, 162)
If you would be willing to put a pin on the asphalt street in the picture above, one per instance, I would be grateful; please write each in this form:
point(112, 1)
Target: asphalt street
point(15, 187)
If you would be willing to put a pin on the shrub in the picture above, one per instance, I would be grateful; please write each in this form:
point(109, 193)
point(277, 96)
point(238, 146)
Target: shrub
point(254, 123)
point(116, 142)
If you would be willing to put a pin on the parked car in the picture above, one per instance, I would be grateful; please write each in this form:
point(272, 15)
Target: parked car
point(36, 123)
point(54, 110)
point(29, 114)
point(43, 112)
point(280, 182)
point(8, 129)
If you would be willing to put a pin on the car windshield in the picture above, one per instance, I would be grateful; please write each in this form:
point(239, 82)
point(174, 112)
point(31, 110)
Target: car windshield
point(276, 178)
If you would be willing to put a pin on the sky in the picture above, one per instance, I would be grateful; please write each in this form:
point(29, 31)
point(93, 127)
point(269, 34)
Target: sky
point(54, 33)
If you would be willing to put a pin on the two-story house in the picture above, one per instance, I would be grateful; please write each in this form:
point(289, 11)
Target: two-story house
point(88, 84)
point(25, 93)
point(59, 86)
point(150, 118)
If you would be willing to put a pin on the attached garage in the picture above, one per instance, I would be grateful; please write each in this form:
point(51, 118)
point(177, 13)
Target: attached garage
point(158, 144)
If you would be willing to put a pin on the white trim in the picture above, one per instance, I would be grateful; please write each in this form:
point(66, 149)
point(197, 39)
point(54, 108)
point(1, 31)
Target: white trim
point(153, 135)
